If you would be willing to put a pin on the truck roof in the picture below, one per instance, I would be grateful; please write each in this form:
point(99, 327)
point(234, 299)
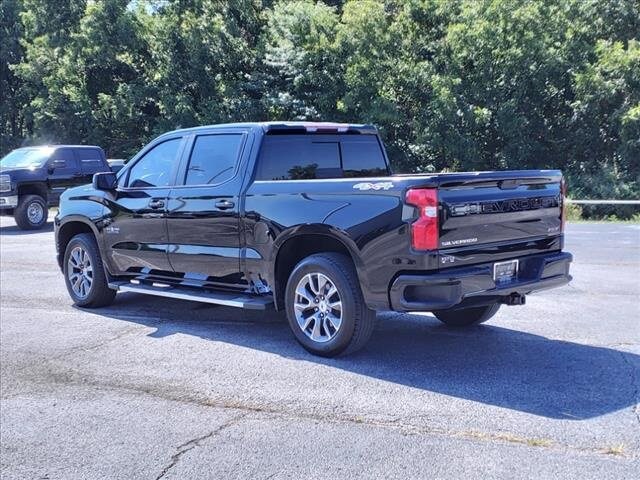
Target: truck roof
point(291, 127)
point(54, 146)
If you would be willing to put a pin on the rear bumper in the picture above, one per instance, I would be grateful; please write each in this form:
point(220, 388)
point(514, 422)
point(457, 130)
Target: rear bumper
point(475, 285)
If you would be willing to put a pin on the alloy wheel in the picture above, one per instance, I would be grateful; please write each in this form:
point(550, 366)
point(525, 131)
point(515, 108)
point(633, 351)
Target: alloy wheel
point(80, 272)
point(318, 307)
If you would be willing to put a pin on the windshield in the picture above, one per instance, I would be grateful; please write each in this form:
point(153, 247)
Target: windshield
point(26, 157)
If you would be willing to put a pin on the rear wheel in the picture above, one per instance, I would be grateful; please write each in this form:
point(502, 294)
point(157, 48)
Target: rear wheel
point(325, 307)
point(84, 273)
point(31, 212)
point(463, 317)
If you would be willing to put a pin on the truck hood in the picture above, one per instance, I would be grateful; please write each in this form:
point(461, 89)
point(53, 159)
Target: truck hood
point(21, 174)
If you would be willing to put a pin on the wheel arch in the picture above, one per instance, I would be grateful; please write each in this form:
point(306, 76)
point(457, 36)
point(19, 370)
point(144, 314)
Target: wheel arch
point(69, 228)
point(36, 188)
point(302, 242)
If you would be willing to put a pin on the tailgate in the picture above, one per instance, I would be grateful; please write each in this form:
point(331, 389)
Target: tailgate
point(494, 207)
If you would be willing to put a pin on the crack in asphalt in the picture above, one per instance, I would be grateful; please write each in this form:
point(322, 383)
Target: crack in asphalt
point(72, 350)
point(179, 395)
point(196, 442)
point(635, 382)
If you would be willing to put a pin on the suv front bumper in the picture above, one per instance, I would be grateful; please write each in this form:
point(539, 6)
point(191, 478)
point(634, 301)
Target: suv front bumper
point(474, 285)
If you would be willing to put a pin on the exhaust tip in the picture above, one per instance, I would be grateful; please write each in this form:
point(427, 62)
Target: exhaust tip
point(514, 299)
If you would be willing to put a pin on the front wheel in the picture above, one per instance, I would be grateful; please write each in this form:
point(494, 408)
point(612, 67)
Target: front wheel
point(325, 307)
point(463, 317)
point(31, 212)
point(84, 273)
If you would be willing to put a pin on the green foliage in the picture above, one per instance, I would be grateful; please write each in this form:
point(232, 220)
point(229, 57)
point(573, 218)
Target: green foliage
point(301, 64)
point(12, 97)
point(607, 119)
point(452, 84)
point(203, 56)
point(573, 212)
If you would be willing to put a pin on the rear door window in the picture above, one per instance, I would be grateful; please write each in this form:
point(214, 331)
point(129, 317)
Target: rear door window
point(213, 158)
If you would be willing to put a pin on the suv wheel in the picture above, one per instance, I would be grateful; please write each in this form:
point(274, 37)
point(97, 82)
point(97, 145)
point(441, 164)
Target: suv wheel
point(325, 307)
point(31, 212)
point(463, 317)
point(84, 273)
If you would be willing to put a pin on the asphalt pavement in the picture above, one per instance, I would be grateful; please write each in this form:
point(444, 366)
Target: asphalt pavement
point(155, 388)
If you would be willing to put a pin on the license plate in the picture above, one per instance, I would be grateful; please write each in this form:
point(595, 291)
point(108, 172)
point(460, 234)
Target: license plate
point(505, 271)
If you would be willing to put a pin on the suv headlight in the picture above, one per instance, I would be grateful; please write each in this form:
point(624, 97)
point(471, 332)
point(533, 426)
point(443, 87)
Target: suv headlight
point(5, 183)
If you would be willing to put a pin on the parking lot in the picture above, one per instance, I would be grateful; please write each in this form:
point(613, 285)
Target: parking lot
point(158, 388)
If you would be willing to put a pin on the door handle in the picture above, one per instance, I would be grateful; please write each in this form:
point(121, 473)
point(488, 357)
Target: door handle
point(224, 204)
point(155, 204)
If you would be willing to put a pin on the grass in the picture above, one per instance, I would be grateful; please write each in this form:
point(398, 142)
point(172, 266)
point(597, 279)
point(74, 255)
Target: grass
point(614, 450)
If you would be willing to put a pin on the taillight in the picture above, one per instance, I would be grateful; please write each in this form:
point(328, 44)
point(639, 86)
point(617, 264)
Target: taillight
point(425, 230)
point(563, 205)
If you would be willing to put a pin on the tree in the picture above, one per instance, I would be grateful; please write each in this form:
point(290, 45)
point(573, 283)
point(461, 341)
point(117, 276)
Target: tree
point(606, 123)
point(302, 68)
point(12, 97)
point(203, 61)
point(451, 84)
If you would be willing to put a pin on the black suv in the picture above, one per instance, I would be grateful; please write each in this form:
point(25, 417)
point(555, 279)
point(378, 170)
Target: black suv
point(32, 179)
point(308, 218)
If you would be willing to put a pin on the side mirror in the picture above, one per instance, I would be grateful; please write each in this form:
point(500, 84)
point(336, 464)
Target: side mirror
point(106, 181)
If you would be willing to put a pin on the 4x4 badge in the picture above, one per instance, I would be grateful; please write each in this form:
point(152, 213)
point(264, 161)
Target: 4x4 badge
point(373, 186)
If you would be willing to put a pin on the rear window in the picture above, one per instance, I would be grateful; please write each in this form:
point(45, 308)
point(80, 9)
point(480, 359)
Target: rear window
point(302, 157)
point(362, 157)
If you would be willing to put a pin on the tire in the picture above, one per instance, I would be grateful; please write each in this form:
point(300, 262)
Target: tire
point(464, 317)
point(80, 256)
point(356, 321)
point(31, 213)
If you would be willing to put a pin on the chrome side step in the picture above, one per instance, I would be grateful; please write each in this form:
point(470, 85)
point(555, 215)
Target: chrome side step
point(228, 299)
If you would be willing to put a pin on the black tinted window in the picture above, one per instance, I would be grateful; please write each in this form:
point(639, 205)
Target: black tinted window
point(362, 157)
point(62, 154)
point(88, 154)
point(296, 157)
point(90, 160)
point(63, 158)
point(213, 159)
point(154, 169)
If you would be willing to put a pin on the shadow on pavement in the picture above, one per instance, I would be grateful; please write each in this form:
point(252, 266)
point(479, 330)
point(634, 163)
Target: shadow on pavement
point(487, 364)
point(14, 230)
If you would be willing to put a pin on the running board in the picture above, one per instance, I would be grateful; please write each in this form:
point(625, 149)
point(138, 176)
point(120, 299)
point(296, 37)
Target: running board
point(219, 298)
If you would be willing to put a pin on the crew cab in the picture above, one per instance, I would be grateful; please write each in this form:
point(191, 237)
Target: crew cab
point(308, 218)
point(32, 179)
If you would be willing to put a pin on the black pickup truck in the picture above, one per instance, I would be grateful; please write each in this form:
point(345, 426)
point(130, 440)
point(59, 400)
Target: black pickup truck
point(32, 179)
point(308, 218)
